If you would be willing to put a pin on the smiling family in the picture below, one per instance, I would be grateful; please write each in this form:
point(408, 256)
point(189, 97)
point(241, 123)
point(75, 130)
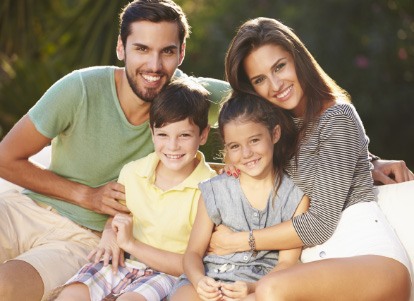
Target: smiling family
point(126, 175)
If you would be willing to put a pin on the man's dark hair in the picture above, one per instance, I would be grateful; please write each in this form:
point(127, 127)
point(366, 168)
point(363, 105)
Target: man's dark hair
point(154, 11)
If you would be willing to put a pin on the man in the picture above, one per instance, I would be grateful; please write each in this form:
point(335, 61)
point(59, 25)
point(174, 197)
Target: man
point(93, 118)
point(97, 121)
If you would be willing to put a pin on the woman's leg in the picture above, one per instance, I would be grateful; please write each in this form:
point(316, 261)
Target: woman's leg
point(362, 278)
point(185, 292)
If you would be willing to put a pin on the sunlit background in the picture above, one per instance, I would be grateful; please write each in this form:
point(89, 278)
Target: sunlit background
point(366, 46)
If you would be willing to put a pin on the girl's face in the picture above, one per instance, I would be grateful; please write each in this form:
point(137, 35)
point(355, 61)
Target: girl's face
point(249, 147)
point(271, 71)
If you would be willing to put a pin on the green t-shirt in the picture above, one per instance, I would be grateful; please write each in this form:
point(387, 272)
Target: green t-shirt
point(91, 137)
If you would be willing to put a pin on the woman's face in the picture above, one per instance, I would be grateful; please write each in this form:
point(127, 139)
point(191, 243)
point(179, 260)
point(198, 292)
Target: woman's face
point(271, 71)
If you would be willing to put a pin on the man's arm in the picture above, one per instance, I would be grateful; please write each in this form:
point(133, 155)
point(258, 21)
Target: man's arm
point(22, 142)
point(389, 171)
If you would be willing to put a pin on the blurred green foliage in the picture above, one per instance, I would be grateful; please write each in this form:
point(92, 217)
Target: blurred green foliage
point(366, 46)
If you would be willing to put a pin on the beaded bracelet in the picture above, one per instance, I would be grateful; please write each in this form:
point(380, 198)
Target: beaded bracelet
point(252, 244)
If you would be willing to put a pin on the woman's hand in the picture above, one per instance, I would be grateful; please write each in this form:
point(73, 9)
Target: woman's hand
point(223, 241)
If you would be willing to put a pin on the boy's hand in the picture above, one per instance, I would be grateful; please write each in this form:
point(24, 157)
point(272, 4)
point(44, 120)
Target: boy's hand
point(122, 226)
point(236, 290)
point(108, 249)
point(208, 289)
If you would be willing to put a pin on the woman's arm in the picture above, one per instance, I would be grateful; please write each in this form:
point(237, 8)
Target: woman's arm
point(282, 236)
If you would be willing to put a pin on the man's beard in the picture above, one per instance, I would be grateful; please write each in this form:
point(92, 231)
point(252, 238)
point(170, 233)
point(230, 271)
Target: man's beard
point(146, 95)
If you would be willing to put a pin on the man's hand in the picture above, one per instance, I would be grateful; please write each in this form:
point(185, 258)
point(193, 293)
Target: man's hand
point(390, 172)
point(105, 199)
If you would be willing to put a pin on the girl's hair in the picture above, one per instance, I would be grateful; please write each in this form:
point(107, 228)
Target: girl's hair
point(317, 86)
point(252, 108)
point(182, 98)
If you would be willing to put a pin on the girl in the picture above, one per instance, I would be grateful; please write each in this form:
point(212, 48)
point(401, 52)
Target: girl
point(257, 141)
point(352, 252)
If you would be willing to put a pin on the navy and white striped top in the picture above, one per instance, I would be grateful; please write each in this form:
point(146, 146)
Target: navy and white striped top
point(333, 169)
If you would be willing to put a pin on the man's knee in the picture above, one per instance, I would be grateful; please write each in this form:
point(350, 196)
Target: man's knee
point(19, 281)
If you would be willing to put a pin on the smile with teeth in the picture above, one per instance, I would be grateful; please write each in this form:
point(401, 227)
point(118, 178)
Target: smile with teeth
point(174, 157)
point(151, 78)
point(251, 163)
point(285, 93)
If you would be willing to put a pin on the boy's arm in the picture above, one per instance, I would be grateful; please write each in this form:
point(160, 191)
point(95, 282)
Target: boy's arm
point(160, 260)
point(22, 142)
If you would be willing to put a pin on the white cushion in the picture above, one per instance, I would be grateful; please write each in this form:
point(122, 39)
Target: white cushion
point(397, 202)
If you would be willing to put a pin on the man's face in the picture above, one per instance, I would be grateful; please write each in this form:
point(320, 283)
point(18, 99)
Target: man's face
point(152, 54)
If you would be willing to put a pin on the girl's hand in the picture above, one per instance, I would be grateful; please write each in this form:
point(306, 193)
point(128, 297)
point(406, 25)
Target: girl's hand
point(208, 289)
point(108, 249)
point(122, 226)
point(237, 290)
point(230, 170)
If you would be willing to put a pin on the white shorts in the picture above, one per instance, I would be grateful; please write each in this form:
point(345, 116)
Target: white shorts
point(362, 230)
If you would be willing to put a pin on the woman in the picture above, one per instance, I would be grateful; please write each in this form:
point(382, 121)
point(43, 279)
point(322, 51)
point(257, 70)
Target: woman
point(362, 256)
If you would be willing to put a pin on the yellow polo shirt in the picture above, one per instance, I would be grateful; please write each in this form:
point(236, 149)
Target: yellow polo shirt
point(162, 219)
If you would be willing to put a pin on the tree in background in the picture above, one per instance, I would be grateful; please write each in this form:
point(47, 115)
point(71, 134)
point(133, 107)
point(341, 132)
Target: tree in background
point(367, 46)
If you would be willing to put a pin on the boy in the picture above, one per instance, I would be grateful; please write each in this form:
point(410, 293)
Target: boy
point(162, 194)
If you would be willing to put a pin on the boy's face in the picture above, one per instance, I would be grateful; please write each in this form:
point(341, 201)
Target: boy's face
point(176, 144)
point(152, 54)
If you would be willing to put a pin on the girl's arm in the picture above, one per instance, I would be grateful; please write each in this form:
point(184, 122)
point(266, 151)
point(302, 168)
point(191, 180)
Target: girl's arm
point(197, 245)
point(288, 258)
point(160, 260)
point(206, 287)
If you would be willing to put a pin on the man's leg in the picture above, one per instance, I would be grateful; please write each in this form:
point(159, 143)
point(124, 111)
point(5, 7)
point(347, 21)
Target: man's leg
point(20, 281)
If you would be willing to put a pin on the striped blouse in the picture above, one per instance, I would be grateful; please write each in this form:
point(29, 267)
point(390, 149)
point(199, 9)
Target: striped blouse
point(333, 169)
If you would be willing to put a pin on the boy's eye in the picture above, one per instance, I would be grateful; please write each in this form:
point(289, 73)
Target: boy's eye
point(161, 134)
point(255, 140)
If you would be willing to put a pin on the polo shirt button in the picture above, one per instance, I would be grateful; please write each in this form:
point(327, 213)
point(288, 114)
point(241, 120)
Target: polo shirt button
point(245, 257)
point(322, 254)
point(255, 214)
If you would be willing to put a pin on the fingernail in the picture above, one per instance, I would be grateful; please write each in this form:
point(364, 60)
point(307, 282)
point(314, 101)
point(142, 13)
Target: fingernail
point(235, 175)
point(228, 173)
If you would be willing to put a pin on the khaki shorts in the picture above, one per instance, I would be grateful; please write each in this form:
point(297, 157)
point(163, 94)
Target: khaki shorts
point(55, 246)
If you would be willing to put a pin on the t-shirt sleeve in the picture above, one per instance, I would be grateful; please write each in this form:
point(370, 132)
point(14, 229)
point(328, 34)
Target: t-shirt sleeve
point(209, 197)
point(55, 111)
point(341, 141)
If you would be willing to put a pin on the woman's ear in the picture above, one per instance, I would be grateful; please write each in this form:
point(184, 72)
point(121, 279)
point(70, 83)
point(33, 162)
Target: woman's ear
point(276, 134)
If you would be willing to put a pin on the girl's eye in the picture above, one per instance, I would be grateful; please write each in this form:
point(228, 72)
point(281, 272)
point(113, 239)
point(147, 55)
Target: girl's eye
point(233, 146)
